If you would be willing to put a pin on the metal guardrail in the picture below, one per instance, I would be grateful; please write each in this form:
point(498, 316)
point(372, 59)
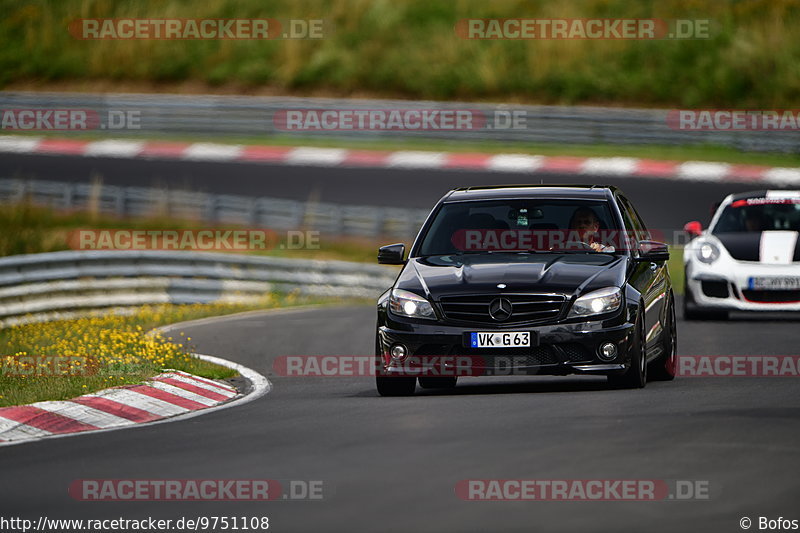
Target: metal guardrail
point(256, 116)
point(47, 286)
point(255, 212)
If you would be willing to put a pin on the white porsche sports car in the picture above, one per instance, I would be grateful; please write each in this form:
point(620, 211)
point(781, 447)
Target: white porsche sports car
point(748, 259)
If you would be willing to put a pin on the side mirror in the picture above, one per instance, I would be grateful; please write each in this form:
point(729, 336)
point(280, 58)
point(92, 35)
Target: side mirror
point(392, 254)
point(693, 228)
point(653, 251)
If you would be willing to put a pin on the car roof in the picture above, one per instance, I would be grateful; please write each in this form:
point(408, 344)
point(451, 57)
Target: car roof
point(773, 193)
point(488, 192)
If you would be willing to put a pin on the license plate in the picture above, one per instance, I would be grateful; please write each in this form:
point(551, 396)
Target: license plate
point(775, 283)
point(503, 339)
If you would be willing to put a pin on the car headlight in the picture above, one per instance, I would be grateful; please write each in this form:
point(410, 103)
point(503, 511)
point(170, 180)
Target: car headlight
point(405, 303)
point(597, 302)
point(707, 252)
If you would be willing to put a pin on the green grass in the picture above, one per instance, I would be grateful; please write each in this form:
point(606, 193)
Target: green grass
point(119, 348)
point(409, 49)
point(675, 266)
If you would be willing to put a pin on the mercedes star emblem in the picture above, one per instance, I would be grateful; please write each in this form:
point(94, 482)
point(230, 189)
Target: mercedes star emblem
point(500, 309)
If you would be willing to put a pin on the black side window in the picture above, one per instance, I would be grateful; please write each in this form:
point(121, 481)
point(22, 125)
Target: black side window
point(626, 215)
point(632, 217)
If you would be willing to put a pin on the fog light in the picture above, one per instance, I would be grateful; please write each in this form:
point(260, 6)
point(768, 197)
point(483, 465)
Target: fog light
point(398, 352)
point(607, 351)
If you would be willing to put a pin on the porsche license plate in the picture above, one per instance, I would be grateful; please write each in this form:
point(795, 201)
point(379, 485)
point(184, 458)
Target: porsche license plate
point(775, 283)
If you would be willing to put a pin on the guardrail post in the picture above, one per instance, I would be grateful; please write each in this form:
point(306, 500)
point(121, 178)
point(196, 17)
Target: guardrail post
point(19, 193)
point(119, 201)
point(210, 214)
point(252, 212)
point(338, 221)
point(67, 196)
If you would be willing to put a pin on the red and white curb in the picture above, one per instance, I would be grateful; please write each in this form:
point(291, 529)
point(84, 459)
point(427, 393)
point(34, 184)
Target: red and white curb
point(169, 396)
point(333, 157)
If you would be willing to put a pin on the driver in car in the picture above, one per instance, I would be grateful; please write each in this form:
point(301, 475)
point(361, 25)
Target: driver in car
point(584, 221)
point(753, 221)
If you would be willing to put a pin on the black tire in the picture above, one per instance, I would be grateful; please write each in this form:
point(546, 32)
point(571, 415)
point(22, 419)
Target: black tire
point(689, 310)
point(391, 385)
point(395, 385)
point(636, 375)
point(665, 366)
point(692, 312)
point(428, 382)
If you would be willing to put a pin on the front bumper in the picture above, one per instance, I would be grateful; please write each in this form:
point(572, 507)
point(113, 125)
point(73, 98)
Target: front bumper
point(727, 287)
point(435, 349)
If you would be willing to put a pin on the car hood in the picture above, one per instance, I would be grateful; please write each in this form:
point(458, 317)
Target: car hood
point(569, 274)
point(765, 246)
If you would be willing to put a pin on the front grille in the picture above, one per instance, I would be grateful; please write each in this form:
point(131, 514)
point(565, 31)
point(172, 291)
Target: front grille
point(525, 308)
point(715, 289)
point(787, 296)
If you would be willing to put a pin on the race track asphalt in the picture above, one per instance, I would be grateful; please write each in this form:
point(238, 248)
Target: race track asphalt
point(391, 464)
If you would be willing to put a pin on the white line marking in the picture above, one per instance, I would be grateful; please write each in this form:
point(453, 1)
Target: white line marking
point(114, 148)
point(316, 156)
point(212, 152)
point(783, 176)
point(183, 393)
point(703, 171)
point(410, 159)
point(141, 401)
point(515, 163)
point(18, 144)
point(229, 393)
point(207, 381)
point(615, 166)
point(11, 430)
point(84, 413)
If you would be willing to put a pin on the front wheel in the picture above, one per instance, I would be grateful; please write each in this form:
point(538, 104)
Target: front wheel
point(665, 367)
point(636, 375)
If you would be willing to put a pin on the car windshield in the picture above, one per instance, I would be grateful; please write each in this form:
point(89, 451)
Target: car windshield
point(752, 215)
point(529, 225)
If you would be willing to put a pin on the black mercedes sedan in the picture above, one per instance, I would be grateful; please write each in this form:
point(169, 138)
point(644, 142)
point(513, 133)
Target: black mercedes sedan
point(527, 280)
